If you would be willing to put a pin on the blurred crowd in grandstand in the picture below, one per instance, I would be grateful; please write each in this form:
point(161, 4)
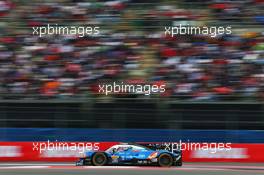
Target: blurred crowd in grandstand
point(132, 48)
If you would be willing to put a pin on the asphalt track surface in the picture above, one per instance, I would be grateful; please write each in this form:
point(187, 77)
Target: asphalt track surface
point(186, 169)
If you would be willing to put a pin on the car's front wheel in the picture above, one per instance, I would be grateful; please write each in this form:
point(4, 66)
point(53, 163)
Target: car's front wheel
point(165, 160)
point(99, 159)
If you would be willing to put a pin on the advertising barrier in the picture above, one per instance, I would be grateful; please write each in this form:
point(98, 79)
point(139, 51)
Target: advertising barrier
point(48, 151)
point(70, 151)
point(237, 153)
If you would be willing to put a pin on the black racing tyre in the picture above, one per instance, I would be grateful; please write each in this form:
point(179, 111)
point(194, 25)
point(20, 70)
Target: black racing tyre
point(99, 159)
point(165, 160)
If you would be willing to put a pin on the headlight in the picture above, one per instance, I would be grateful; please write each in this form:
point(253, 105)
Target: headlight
point(153, 155)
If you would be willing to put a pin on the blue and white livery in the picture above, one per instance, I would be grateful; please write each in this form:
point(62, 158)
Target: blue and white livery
point(131, 154)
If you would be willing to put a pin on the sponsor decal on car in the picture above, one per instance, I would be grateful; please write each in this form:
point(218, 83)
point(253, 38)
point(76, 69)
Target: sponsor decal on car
point(114, 157)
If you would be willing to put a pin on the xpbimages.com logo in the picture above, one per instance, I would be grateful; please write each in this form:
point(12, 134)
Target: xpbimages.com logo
point(80, 31)
point(122, 88)
point(80, 147)
point(212, 147)
point(212, 31)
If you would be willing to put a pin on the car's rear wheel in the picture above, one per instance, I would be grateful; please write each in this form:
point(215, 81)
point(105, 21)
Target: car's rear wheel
point(99, 159)
point(165, 160)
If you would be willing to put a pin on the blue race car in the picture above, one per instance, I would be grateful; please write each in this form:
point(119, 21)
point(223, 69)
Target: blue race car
point(131, 154)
